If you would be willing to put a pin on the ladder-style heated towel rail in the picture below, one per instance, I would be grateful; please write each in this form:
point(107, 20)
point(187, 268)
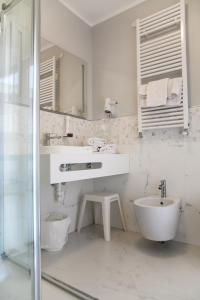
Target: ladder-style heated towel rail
point(161, 53)
point(48, 83)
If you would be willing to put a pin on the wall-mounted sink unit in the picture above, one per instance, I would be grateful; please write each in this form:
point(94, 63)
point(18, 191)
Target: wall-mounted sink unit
point(65, 149)
point(66, 166)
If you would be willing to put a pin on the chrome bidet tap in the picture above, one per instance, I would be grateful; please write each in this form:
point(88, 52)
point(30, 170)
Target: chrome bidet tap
point(162, 186)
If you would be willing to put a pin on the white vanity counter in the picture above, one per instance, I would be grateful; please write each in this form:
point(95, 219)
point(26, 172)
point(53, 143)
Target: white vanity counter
point(66, 167)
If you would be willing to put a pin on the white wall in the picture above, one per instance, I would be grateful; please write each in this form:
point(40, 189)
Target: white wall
point(114, 56)
point(165, 154)
point(160, 154)
point(110, 50)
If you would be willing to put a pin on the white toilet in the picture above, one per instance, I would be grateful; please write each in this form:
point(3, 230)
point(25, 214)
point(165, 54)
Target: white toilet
point(158, 217)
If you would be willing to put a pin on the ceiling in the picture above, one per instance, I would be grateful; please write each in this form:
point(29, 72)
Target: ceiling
point(44, 44)
point(96, 11)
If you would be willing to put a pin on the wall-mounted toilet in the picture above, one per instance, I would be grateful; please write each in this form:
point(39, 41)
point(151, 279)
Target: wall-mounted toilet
point(158, 217)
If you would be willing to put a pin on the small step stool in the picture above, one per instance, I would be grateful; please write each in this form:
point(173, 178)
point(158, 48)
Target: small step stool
point(105, 199)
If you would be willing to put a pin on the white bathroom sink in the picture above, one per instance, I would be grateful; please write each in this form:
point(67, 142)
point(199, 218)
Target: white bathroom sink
point(65, 149)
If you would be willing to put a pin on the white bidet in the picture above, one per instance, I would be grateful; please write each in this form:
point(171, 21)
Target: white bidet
point(158, 217)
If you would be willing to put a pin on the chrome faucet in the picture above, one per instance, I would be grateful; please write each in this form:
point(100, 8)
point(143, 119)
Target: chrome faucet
point(162, 186)
point(51, 136)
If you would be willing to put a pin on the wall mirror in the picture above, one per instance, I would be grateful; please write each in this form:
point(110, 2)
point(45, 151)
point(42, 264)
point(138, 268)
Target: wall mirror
point(63, 78)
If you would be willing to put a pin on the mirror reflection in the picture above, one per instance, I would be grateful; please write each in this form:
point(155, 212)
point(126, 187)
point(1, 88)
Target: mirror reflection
point(63, 79)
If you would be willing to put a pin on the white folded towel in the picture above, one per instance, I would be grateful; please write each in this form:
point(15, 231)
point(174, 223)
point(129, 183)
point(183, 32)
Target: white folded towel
point(143, 101)
point(157, 92)
point(174, 100)
point(94, 141)
point(175, 87)
point(109, 148)
point(143, 90)
point(161, 92)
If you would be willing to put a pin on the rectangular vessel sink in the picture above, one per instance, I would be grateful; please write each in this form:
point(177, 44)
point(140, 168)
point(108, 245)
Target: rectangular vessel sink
point(65, 149)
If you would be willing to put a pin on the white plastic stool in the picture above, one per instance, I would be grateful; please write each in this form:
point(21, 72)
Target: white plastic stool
point(105, 199)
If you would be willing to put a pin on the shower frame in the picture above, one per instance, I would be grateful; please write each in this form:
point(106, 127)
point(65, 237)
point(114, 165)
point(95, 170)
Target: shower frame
point(35, 110)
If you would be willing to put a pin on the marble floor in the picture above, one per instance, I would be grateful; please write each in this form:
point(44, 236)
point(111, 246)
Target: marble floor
point(127, 268)
point(50, 292)
point(15, 284)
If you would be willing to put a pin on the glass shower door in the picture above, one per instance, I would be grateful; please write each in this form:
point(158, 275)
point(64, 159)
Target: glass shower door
point(19, 213)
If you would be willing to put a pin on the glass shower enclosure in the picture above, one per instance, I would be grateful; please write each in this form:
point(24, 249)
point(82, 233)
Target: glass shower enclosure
point(19, 142)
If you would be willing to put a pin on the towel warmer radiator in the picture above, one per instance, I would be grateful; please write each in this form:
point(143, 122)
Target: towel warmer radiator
point(48, 83)
point(161, 53)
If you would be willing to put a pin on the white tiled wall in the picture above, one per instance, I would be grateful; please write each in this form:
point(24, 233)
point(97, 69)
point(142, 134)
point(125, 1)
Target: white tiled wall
point(160, 154)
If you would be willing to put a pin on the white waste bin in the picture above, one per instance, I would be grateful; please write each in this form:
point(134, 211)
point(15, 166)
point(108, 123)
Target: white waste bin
point(54, 231)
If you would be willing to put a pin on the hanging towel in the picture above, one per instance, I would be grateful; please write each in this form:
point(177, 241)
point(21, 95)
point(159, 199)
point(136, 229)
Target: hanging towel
point(143, 90)
point(174, 101)
point(143, 101)
point(157, 92)
point(175, 86)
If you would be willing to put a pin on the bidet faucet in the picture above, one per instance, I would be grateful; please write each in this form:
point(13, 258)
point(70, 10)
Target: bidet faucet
point(163, 188)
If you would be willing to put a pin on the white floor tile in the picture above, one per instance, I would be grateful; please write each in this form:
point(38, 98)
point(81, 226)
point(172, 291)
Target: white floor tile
point(127, 268)
point(50, 292)
point(15, 284)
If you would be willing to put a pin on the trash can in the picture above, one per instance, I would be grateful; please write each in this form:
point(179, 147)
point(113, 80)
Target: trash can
point(54, 231)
